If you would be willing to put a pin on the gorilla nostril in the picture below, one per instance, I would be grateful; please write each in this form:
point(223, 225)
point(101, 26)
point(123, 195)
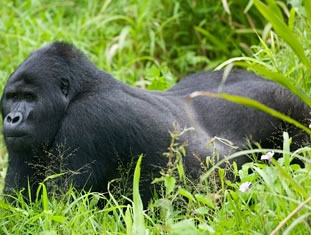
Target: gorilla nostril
point(15, 119)
point(8, 119)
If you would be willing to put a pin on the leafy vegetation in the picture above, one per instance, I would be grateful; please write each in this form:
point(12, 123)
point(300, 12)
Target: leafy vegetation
point(151, 44)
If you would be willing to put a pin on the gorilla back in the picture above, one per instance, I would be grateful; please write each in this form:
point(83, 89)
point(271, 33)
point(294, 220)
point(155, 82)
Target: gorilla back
point(61, 113)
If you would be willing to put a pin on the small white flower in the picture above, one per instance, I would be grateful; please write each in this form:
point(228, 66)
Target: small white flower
point(267, 156)
point(245, 187)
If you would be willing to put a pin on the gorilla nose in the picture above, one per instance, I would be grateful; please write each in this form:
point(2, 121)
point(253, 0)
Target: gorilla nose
point(13, 119)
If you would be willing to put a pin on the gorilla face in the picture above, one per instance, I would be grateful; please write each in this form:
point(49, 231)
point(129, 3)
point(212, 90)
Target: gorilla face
point(32, 110)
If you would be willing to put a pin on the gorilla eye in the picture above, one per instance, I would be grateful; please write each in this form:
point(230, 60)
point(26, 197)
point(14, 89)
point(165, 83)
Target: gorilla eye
point(29, 97)
point(11, 96)
point(64, 86)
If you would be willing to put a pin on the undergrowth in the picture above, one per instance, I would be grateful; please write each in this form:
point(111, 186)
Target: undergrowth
point(183, 206)
point(151, 44)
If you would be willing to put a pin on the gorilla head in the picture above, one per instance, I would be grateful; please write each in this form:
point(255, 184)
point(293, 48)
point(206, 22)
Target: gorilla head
point(31, 117)
point(38, 93)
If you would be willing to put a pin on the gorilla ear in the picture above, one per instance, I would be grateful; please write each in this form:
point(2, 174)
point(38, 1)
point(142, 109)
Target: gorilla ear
point(64, 86)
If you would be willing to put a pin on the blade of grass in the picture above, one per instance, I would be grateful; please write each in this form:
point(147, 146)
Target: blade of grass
point(282, 80)
point(138, 220)
point(284, 221)
point(307, 5)
point(289, 179)
point(291, 18)
point(217, 43)
point(283, 30)
point(300, 219)
point(273, 6)
point(266, 178)
point(252, 104)
point(44, 196)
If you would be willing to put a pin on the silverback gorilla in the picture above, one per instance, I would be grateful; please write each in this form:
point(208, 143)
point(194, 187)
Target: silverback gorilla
point(57, 102)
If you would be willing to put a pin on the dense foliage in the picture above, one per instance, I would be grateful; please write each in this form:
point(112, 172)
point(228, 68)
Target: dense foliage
point(151, 44)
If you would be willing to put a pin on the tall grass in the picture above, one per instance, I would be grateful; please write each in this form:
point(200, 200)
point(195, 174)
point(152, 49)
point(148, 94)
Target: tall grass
point(292, 39)
point(129, 37)
point(148, 44)
point(151, 44)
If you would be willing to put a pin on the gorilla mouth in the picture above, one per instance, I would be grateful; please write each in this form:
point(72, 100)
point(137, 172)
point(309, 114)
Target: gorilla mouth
point(15, 135)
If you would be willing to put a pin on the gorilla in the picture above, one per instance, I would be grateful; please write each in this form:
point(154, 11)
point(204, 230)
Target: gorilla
point(60, 112)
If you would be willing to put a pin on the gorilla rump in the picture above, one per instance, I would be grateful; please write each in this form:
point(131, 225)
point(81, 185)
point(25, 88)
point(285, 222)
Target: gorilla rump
point(57, 97)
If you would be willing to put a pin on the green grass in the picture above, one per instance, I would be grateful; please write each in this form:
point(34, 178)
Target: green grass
point(151, 44)
point(127, 38)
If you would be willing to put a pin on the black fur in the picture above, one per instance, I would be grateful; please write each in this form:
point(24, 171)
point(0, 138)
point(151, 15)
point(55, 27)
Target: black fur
point(58, 103)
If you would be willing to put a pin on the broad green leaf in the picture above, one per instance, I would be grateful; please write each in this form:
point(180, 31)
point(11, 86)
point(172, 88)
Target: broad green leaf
point(221, 173)
point(58, 218)
point(169, 184)
point(204, 199)
point(184, 227)
point(186, 194)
